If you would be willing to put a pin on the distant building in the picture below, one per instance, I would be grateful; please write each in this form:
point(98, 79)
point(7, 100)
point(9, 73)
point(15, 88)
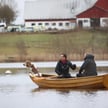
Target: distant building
point(96, 16)
point(49, 14)
point(59, 14)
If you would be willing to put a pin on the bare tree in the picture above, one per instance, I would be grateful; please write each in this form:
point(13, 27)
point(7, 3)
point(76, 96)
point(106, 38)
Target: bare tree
point(8, 12)
point(72, 5)
point(89, 2)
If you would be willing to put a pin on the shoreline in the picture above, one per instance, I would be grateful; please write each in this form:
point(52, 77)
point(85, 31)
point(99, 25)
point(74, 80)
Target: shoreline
point(47, 64)
point(48, 46)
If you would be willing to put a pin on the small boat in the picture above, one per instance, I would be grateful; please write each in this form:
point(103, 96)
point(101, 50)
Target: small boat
point(52, 81)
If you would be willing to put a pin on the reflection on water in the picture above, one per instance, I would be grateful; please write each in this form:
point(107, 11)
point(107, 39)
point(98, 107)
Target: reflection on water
point(72, 98)
point(18, 91)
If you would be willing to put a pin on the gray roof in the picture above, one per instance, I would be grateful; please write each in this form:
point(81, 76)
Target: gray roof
point(54, 9)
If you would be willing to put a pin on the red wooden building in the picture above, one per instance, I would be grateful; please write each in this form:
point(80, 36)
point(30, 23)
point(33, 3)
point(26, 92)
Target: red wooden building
point(96, 16)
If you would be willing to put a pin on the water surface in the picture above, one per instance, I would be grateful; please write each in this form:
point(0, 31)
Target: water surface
point(18, 91)
point(49, 64)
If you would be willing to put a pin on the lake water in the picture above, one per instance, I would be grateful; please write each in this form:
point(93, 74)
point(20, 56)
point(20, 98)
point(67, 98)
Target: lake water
point(49, 64)
point(18, 91)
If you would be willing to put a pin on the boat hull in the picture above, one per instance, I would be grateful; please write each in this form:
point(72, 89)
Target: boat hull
point(92, 82)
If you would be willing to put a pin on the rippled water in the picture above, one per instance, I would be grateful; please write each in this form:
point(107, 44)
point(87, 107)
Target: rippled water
point(18, 91)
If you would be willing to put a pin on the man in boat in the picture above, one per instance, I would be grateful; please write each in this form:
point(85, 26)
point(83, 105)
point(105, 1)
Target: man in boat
point(33, 69)
point(88, 68)
point(62, 67)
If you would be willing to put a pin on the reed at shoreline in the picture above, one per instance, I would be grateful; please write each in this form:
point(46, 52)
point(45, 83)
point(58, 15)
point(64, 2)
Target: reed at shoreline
point(15, 47)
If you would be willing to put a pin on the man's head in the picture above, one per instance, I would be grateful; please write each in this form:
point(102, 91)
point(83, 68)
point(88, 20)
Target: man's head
point(63, 57)
point(88, 56)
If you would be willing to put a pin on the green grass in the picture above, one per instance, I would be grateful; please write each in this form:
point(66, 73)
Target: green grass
point(42, 46)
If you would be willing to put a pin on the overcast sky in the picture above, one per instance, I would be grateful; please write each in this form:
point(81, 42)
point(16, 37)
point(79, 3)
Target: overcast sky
point(20, 7)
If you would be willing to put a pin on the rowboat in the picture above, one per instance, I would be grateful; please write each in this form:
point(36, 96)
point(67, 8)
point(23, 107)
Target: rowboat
point(52, 81)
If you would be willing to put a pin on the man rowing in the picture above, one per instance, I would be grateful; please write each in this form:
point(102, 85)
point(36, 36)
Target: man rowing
point(63, 65)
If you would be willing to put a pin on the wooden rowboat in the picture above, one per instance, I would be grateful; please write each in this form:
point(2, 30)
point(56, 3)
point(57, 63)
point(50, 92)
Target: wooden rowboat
point(51, 81)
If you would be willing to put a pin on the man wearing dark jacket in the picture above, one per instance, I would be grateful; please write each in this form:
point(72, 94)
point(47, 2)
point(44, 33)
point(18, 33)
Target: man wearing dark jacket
point(62, 67)
point(88, 68)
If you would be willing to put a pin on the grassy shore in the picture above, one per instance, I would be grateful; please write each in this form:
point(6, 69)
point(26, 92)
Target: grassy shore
point(47, 46)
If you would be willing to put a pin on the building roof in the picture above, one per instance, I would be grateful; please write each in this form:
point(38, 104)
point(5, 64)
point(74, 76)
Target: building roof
point(53, 9)
point(102, 4)
point(100, 9)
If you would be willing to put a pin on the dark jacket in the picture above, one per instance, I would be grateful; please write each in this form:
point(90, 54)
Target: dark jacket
point(88, 68)
point(63, 68)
